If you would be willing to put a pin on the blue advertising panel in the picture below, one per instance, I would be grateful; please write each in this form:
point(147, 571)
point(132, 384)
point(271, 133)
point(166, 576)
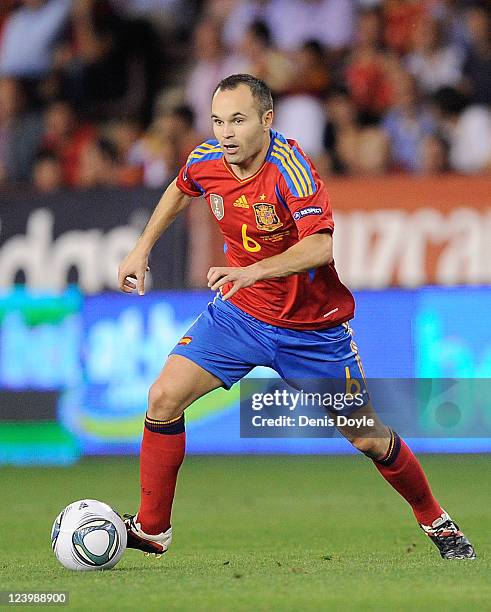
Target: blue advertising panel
point(126, 340)
point(452, 333)
point(83, 366)
point(40, 337)
point(383, 332)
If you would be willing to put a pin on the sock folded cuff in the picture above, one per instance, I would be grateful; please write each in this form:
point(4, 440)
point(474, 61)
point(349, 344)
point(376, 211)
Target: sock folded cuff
point(393, 450)
point(171, 427)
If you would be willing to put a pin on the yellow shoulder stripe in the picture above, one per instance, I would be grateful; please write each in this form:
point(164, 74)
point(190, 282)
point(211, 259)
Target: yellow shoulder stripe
point(288, 169)
point(292, 156)
point(288, 161)
point(206, 147)
point(197, 154)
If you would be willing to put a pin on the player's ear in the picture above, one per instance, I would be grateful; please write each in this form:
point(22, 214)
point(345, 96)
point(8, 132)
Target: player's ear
point(267, 120)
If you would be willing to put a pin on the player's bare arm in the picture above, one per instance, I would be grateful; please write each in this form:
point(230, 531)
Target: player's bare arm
point(309, 253)
point(133, 268)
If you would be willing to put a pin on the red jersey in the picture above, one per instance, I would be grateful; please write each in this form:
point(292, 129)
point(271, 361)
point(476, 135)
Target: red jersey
point(263, 215)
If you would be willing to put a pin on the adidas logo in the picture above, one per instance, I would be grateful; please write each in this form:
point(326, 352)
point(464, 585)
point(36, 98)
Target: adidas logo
point(241, 202)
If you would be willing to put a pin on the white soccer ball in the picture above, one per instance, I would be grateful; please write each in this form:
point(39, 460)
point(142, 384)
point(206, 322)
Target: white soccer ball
point(88, 535)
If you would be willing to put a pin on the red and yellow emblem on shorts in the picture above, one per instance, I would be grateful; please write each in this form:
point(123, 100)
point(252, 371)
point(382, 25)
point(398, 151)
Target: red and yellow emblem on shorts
point(185, 340)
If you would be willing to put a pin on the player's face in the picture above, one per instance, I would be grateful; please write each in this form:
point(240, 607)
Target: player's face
point(241, 133)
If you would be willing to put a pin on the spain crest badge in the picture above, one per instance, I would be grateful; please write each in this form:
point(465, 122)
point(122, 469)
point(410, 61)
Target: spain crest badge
point(266, 216)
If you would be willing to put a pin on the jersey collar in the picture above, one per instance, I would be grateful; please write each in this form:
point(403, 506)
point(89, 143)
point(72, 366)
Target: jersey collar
point(272, 134)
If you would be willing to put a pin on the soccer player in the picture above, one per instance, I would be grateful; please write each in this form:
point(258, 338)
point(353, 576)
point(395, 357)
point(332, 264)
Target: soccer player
point(280, 304)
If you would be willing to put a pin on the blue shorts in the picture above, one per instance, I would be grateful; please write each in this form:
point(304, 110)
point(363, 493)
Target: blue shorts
point(229, 343)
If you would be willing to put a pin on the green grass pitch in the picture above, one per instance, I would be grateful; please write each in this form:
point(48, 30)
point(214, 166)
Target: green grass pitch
point(259, 533)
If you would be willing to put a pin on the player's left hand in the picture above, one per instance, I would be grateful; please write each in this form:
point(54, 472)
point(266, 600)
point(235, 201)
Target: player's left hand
point(239, 277)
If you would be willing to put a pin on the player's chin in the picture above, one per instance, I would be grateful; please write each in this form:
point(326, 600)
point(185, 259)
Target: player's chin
point(233, 158)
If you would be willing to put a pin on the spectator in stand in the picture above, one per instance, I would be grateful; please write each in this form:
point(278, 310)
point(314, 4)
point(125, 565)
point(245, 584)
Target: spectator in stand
point(349, 148)
point(341, 124)
point(100, 166)
point(477, 66)
point(124, 133)
point(47, 176)
point(66, 138)
point(449, 15)
point(28, 37)
point(366, 72)
point(166, 146)
point(263, 60)
point(287, 112)
point(311, 72)
point(157, 8)
point(155, 156)
point(303, 99)
point(88, 56)
point(434, 156)
point(400, 19)
point(238, 19)
point(106, 60)
point(212, 64)
point(185, 135)
point(106, 63)
point(20, 133)
point(467, 129)
point(408, 123)
point(294, 22)
point(433, 63)
point(6, 7)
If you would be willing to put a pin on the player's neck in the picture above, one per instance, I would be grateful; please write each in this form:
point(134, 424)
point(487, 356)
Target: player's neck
point(250, 166)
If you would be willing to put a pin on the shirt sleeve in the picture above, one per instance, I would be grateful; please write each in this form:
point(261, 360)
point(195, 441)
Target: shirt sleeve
point(186, 184)
point(311, 213)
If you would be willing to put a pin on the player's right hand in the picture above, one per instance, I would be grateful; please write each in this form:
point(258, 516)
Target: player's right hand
point(131, 273)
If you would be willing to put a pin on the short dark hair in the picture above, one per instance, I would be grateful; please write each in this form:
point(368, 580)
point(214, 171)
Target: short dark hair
point(259, 90)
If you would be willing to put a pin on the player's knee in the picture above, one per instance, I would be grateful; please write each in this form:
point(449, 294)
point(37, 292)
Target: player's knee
point(163, 404)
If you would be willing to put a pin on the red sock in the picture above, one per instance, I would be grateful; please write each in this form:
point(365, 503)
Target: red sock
point(402, 470)
point(161, 456)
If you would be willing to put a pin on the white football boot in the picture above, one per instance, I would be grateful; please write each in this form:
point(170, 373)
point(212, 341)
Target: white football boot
point(149, 544)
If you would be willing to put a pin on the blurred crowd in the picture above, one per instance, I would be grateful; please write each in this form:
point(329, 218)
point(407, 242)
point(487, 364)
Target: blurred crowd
point(97, 93)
